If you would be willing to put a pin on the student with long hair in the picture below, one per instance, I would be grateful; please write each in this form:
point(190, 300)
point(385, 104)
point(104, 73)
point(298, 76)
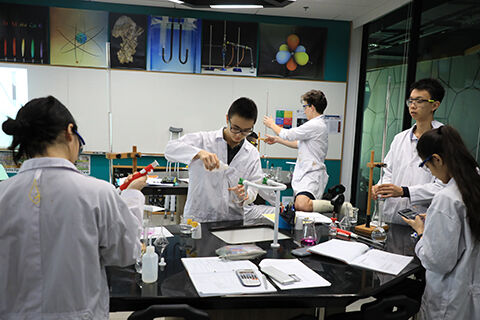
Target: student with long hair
point(449, 247)
point(60, 228)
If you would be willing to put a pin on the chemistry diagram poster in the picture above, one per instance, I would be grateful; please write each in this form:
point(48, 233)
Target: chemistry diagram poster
point(229, 47)
point(23, 33)
point(292, 51)
point(128, 34)
point(78, 37)
point(174, 44)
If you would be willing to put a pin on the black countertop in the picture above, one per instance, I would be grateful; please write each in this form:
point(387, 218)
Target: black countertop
point(128, 293)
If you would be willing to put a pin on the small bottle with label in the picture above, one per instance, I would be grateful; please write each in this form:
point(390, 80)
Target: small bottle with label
point(150, 265)
point(332, 228)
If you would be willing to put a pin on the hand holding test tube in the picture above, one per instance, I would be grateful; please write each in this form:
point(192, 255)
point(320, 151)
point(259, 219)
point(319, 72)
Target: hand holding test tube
point(139, 174)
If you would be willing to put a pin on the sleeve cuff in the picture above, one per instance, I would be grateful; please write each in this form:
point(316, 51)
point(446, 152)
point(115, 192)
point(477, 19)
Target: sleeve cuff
point(406, 192)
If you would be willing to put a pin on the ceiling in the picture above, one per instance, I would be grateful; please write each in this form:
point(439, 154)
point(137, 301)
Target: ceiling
point(357, 11)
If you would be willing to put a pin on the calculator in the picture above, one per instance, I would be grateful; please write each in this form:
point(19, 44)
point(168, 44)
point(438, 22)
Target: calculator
point(248, 277)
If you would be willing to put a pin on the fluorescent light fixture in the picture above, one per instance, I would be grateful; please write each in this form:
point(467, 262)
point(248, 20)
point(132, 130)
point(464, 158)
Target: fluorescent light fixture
point(236, 6)
point(176, 1)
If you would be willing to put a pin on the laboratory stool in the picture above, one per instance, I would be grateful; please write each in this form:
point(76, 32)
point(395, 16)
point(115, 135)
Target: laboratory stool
point(169, 310)
point(398, 307)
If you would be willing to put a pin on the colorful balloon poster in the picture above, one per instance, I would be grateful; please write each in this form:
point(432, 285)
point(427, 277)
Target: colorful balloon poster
point(78, 37)
point(292, 51)
point(128, 34)
point(229, 47)
point(174, 44)
point(23, 33)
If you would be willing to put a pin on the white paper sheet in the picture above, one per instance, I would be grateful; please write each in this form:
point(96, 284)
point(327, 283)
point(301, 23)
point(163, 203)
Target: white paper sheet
point(212, 276)
point(308, 277)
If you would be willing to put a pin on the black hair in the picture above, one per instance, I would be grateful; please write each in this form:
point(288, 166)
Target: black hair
point(36, 126)
point(317, 99)
point(446, 142)
point(245, 108)
point(432, 86)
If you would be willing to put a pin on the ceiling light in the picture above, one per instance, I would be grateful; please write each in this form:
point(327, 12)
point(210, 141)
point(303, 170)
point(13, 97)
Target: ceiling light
point(236, 6)
point(176, 1)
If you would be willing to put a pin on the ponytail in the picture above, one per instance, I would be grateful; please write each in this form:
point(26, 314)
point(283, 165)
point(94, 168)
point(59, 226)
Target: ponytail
point(446, 142)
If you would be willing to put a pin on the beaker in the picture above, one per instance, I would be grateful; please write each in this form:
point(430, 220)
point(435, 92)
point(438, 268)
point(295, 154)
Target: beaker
point(379, 233)
point(309, 233)
point(354, 216)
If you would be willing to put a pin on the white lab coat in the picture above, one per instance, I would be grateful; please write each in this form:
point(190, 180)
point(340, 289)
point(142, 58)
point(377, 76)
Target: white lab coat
point(451, 257)
point(208, 196)
point(402, 170)
point(310, 173)
point(58, 231)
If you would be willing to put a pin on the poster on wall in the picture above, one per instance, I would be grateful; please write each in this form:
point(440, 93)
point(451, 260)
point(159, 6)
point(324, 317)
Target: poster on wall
point(78, 37)
point(23, 33)
point(288, 51)
point(128, 34)
point(229, 47)
point(174, 44)
point(284, 119)
point(290, 118)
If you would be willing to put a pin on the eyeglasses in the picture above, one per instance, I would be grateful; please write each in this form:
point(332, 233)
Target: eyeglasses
point(306, 105)
point(425, 161)
point(417, 101)
point(237, 130)
point(80, 141)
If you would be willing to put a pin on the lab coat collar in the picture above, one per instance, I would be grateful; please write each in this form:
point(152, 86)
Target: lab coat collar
point(435, 124)
point(45, 162)
point(219, 135)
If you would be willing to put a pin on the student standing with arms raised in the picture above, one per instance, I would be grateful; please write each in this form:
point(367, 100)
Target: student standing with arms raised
point(405, 184)
point(449, 247)
point(215, 195)
point(311, 139)
point(60, 228)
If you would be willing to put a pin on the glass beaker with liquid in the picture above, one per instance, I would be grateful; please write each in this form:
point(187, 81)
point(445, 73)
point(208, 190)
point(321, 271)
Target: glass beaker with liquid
point(309, 237)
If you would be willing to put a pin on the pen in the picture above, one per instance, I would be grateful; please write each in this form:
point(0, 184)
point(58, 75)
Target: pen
point(265, 281)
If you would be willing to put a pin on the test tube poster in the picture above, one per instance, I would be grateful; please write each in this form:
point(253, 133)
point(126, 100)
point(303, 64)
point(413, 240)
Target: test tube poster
point(284, 119)
point(229, 47)
point(78, 37)
point(174, 44)
point(128, 34)
point(23, 33)
point(290, 51)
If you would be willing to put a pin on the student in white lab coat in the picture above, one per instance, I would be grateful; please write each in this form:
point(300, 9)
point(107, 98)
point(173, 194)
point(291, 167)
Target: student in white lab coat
point(311, 139)
point(216, 195)
point(404, 184)
point(449, 245)
point(60, 228)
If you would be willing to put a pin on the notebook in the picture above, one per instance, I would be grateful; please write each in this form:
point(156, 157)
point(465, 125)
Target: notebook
point(360, 255)
point(212, 276)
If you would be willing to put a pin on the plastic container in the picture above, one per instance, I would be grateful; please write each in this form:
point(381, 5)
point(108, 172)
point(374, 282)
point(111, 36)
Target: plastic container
point(150, 265)
point(196, 230)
